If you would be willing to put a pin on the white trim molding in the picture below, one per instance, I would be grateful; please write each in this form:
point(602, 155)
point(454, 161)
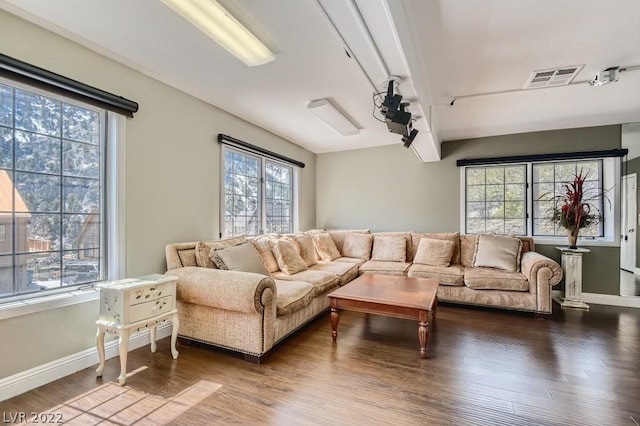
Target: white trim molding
point(613, 300)
point(35, 377)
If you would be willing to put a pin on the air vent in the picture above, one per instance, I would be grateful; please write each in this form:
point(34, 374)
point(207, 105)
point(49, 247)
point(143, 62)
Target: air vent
point(553, 77)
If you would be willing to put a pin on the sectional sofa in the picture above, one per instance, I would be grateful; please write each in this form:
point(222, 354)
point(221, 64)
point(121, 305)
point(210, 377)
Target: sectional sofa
point(248, 294)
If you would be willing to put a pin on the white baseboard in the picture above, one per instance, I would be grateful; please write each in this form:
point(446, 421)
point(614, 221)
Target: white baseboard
point(35, 377)
point(610, 299)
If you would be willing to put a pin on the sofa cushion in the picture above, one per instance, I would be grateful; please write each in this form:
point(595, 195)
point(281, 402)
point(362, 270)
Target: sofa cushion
point(500, 252)
point(203, 249)
point(339, 236)
point(325, 247)
point(494, 279)
point(448, 236)
point(434, 252)
point(446, 275)
point(306, 248)
point(350, 260)
point(289, 261)
point(357, 245)
point(389, 248)
point(263, 245)
point(345, 270)
point(468, 249)
point(384, 268)
point(243, 257)
point(320, 280)
point(292, 296)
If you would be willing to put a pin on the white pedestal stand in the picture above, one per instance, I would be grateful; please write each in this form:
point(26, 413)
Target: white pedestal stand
point(572, 269)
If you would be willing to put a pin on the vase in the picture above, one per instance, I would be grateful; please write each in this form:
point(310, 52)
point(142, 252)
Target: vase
point(572, 235)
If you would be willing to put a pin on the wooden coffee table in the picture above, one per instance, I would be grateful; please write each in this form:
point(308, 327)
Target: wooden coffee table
point(400, 297)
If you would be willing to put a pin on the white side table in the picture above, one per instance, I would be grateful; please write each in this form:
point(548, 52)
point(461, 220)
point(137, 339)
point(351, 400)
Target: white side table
point(572, 269)
point(132, 305)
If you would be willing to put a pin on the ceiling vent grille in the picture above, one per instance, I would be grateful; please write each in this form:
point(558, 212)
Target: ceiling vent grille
point(552, 77)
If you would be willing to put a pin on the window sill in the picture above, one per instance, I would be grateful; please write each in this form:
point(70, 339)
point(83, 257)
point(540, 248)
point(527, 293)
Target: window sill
point(45, 303)
point(560, 241)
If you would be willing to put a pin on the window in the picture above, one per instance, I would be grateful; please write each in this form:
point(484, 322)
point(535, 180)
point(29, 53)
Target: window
point(51, 191)
point(496, 199)
point(549, 180)
point(258, 194)
point(499, 199)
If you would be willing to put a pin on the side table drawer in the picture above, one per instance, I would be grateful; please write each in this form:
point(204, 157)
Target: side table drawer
point(147, 294)
point(147, 310)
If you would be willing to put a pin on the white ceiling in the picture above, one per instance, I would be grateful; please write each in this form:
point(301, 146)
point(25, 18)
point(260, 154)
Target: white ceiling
point(443, 50)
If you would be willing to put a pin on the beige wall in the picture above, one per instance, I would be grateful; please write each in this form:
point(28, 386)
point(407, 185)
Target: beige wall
point(387, 188)
point(172, 179)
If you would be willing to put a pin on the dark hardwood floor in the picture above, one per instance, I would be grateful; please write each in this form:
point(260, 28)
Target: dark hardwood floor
point(484, 367)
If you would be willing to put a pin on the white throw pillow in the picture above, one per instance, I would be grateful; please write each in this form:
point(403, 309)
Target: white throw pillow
point(495, 251)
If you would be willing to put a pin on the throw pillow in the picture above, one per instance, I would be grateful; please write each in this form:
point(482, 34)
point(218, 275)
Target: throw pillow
point(357, 245)
point(388, 248)
point(243, 257)
point(306, 249)
point(434, 252)
point(287, 257)
point(325, 247)
point(203, 249)
point(495, 251)
point(262, 244)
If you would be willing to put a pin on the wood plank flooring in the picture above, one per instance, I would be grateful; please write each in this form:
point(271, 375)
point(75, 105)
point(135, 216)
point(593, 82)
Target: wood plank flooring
point(484, 367)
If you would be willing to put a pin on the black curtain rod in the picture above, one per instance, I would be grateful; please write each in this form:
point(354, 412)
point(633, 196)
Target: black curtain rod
point(23, 72)
point(231, 141)
point(543, 157)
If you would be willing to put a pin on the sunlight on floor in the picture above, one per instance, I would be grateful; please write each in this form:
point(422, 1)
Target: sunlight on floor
point(113, 404)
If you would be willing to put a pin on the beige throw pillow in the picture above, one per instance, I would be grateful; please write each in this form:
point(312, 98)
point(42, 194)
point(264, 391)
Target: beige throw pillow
point(243, 257)
point(287, 256)
point(325, 247)
point(262, 244)
point(306, 249)
point(387, 248)
point(357, 245)
point(495, 251)
point(434, 252)
point(203, 249)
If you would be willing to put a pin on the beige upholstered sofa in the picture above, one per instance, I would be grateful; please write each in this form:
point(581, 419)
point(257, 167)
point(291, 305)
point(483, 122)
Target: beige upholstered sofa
point(272, 285)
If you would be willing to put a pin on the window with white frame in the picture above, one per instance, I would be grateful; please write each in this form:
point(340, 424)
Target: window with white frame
point(51, 191)
point(520, 198)
point(549, 184)
point(496, 199)
point(258, 194)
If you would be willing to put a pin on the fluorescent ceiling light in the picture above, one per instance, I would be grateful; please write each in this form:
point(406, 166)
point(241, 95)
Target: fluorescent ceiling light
point(324, 109)
point(213, 20)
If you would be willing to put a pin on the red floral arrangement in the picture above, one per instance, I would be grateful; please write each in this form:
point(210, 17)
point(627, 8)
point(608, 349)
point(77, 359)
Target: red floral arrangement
point(573, 209)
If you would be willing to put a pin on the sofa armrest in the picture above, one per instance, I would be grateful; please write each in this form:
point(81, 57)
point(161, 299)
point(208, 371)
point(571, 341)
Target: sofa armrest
point(534, 264)
point(230, 290)
point(542, 273)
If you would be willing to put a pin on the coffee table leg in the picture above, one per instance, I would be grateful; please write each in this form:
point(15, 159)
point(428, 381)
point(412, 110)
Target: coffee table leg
point(335, 316)
point(423, 333)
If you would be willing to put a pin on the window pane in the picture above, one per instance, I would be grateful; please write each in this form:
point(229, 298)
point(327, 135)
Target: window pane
point(41, 193)
point(495, 192)
point(37, 114)
point(80, 124)
point(81, 195)
point(81, 160)
point(43, 233)
point(6, 106)
point(279, 193)
point(495, 175)
point(475, 176)
point(6, 148)
point(37, 153)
